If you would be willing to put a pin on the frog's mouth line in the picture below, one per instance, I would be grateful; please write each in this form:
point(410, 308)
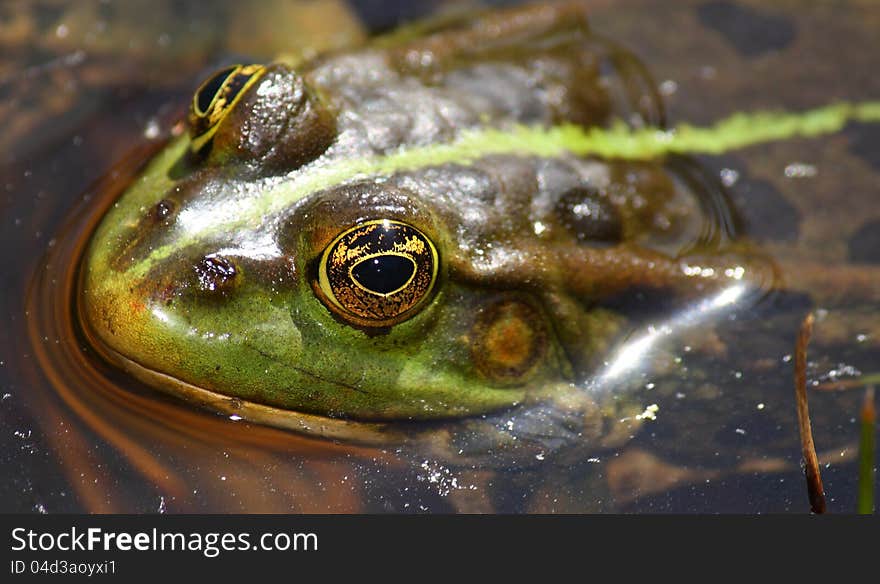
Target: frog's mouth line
point(350, 431)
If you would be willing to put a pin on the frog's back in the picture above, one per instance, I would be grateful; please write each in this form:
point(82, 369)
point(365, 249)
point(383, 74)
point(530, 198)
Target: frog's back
point(538, 65)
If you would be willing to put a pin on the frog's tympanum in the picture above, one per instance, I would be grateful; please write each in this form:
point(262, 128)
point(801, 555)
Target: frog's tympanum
point(371, 236)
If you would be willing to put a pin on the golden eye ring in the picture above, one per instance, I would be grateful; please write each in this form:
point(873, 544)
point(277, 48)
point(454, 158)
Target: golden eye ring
point(216, 97)
point(378, 273)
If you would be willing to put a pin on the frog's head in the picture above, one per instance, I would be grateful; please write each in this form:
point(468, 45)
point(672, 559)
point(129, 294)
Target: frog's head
point(219, 277)
point(376, 236)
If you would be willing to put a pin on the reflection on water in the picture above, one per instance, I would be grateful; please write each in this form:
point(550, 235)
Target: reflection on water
point(712, 425)
point(636, 352)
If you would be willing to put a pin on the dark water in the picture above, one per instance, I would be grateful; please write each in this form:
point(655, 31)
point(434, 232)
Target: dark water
point(76, 435)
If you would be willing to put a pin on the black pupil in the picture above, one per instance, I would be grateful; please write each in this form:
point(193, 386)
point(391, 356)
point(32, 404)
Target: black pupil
point(211, 87)
point(384, 274)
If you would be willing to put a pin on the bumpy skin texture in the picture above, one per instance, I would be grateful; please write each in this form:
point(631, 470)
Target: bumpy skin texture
point(203, 274)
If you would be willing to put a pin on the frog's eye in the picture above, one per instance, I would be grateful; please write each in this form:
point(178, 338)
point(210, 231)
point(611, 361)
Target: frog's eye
point(216, 97)
point(378, 273)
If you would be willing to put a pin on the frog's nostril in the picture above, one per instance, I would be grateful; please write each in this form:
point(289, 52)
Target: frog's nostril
point(216, 274)
point(164, 209)
point(136, 242)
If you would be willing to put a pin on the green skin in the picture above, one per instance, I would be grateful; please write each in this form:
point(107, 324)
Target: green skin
point(451, 129)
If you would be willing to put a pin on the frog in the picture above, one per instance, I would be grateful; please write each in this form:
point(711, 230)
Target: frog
point(377, 246)
point(704, 414)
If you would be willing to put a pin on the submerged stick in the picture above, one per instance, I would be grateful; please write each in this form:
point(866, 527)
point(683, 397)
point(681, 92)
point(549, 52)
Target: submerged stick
point(844, 384)
point(865, 504)
point(808, 450)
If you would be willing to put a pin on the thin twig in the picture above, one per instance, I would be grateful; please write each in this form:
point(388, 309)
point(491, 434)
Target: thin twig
point(844, 384)
point(808, 449)
point(866, 455)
